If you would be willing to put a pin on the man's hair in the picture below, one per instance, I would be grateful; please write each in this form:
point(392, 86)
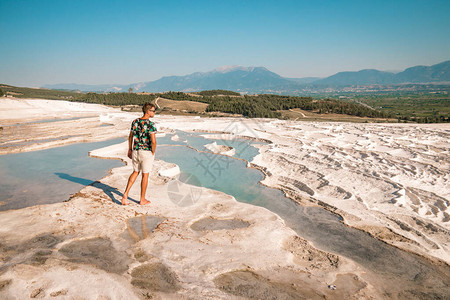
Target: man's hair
point(147, 106)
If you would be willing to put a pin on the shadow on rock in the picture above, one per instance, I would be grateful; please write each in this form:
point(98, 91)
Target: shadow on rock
point(108, 190)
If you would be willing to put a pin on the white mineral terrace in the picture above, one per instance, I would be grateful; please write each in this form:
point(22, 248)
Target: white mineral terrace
point(390, 180)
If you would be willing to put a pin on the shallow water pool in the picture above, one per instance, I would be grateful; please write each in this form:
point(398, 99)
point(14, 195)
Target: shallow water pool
point(51, 175)
point(402, 272)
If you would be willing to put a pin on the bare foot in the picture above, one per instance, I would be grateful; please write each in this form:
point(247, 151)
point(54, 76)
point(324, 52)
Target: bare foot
point(144, 202)
point(124, 200)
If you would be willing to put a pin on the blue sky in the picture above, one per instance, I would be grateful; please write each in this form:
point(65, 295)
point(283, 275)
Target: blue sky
point(96, 42)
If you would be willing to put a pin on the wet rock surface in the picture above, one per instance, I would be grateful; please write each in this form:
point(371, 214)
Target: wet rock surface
point(155, 277)
point(40, 257)
point(360, 173)
point(248, 284)
point(142, 256)
point(219, 224)
point(44, 241)
point(34, 251)
point(348, 286)
point(310, 257)
point(98, 252)
point(5, 283)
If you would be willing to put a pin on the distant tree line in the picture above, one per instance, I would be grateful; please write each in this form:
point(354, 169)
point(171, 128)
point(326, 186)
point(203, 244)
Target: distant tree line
point(412, 107)
point(253, 108)
point(260, 106)
point(180, 96)
point(268, 106)
point(421, 108)
point(116, 98)
point(218, 92)
point(23, 92)
point(428, 119)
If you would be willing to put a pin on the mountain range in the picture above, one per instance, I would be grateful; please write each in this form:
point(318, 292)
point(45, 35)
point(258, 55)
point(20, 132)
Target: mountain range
point(261, 80)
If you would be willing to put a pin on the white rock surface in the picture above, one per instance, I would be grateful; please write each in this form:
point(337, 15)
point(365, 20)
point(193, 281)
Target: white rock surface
point(391, 180)
point(170, 172)
point(220, 149)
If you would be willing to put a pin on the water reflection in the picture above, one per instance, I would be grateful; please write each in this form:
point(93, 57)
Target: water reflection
point(140, 228)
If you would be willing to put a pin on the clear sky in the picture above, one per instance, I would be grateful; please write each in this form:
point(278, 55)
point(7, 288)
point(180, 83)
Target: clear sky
point(97, 42)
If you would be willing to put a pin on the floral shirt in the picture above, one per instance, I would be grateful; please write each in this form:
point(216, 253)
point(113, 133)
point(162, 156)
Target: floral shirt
point(141, 129)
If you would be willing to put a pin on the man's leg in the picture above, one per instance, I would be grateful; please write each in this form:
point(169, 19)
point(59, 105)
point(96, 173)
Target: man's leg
point(144, 184)
point(131, 180)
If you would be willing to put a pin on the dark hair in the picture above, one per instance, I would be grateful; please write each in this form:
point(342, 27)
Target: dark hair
point(147, 106)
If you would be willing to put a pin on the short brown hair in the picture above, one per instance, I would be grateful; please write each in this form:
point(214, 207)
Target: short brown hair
point(147, 106)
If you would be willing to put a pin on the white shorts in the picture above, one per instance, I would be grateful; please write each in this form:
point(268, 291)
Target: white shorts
point(142, 161)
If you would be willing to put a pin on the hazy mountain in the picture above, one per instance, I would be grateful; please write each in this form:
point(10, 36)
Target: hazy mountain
point(261, 80)
point(235, 78)
point(85, 87)
point(419, 74)
point(436, 73)
point(358, 78)
point(304, 80)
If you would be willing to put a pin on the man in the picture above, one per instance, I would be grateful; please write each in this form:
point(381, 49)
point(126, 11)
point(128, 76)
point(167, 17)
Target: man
point(141, 149)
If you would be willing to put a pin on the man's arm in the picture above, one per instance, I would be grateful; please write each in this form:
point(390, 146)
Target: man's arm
point(153, 139)
point(130, 144)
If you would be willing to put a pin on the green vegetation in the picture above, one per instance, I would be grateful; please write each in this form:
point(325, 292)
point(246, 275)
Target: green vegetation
point(1, 93)
point(218, 92)
point(180, 96)
point(23, 92)
point(421, 108)
point(117, 99)
point(414, 107)
point(171, 106)
point(269, 106)
point(303, 115)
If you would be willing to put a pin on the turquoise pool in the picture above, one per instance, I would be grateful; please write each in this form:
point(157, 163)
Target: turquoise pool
point(51, 175)
point(321, 227)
